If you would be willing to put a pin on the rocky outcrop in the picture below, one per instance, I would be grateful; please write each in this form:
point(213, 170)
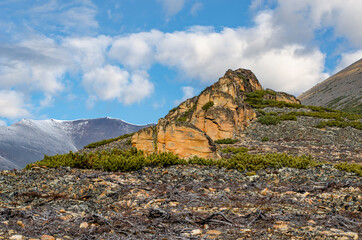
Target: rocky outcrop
point(218, 112)
point(280, 96)
point(181, 138)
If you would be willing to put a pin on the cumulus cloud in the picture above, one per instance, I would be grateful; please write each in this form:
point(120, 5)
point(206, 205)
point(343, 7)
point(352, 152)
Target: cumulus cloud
point(188, 92)
point(136, 50)
point(348, 58)
point(12, 105)
point(115, 68)
point(310, 15)
point(196, 7)
point(68, 17)
point(204, 54)
point(87, 52)
point(111, 82)
point(36, 64)
point(2, 123)
point(172, 7)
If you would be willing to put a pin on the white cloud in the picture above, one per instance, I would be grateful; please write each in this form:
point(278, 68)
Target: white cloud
point(2, 123)
point(310, 15)
point(348, 58)
point(188, 92)
point(172, 7)
point(136, 50)
point(12, 105)
point(87, 52)
point(196, 7)
point(111, 82)
point(203, 54)
point(36, 64)
point(77, 16)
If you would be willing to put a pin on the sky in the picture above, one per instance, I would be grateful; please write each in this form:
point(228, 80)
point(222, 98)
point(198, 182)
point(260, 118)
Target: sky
point(137, 59)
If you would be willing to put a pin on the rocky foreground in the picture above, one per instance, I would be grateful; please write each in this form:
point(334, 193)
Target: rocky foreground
point(180, 202)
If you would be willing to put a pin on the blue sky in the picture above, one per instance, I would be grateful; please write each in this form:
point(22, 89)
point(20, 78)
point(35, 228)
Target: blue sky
point(136, 59)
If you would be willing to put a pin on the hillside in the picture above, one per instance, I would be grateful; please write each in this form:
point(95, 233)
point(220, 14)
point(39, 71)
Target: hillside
point(29, 140)
point(342, 91)
point(235, 162)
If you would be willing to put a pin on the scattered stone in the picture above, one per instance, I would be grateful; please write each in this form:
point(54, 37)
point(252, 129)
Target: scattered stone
point(195, 232)
point(17, 237)
point(47, 237)
point(84, 225)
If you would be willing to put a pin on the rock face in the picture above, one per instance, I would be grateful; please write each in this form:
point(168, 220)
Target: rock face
point(181, 138)
point(218, 112)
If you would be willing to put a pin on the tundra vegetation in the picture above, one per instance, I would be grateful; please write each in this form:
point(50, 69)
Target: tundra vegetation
point(133, 160)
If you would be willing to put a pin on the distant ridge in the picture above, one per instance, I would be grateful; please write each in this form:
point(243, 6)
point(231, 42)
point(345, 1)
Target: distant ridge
point(29, 140)
point(342, 91)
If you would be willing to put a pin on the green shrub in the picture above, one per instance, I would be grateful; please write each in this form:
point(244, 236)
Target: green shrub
point(173, 109)
point(269, 119)
point(271, 92)
point(289, 117)
point(182, 119)
point(251, 173)
point(350, 167)
point(341, 124)
point(265, 139)
point(207, 105)
point(132, 160)
point(202, 161)
point(187, 114)
point(106, 141)
point(226, 141)
point(234, 150)
point(245, 161)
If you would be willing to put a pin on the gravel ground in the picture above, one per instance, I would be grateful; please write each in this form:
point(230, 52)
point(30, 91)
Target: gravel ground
point(180, 202)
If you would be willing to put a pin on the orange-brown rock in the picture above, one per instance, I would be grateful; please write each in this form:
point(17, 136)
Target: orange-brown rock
point(218, 112)
point(229, 114)
point(281, 96)
point(144, 140)
point(181, 138)
point(184, 139)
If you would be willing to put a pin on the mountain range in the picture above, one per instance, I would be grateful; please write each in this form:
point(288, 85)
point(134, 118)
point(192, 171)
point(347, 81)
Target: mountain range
point(342, 91)
point(29, 140)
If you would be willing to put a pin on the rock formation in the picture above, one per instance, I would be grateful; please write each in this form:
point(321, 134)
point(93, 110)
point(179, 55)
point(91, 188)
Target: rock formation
point(218, 112)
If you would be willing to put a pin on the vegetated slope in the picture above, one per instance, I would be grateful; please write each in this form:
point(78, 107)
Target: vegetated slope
point(341, 91)
point(29, 140)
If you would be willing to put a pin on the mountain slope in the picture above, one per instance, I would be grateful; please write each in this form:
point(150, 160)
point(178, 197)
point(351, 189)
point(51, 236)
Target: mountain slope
point(28, 140)
point(342, 91)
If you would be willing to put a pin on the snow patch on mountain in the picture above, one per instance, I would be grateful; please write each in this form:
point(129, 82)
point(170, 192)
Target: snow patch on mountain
point(29, 140)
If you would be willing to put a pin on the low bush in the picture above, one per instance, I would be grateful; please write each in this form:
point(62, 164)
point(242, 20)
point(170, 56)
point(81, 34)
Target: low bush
point(132, 160)
point(173, 109)
point(269, 119)
point(106, 141)
point(341, 124)
point(207, 106)
point(182, 119)
point(245, 161)
point(265, 139)
point(226, 141)
point(350, 167)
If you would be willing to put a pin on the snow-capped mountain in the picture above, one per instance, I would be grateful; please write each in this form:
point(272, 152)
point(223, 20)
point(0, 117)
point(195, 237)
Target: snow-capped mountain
point(29, 140)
